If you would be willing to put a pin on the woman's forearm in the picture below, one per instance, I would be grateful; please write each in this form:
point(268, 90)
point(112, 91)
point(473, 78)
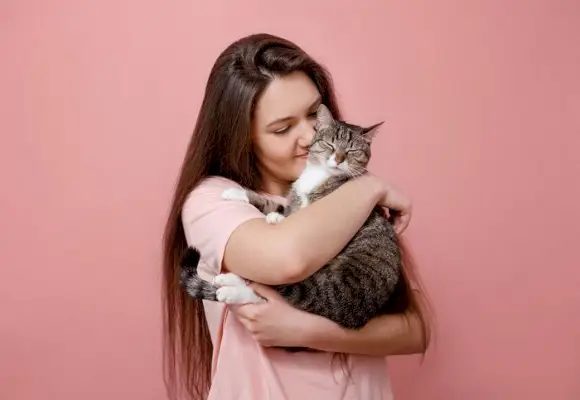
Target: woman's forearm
point(319, 231)
point(301, 244)
point(387, 335)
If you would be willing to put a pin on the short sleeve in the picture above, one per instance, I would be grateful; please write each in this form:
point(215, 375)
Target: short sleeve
point(208, 221)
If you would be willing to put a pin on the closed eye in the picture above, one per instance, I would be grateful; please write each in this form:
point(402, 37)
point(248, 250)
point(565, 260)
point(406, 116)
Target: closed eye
point(286, 128)
point(282, 130)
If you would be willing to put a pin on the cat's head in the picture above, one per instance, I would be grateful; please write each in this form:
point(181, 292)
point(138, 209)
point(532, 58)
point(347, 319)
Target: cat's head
point(339, 146)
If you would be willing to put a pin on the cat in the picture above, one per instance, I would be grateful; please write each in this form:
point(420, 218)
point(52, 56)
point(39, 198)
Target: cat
point(358, 283)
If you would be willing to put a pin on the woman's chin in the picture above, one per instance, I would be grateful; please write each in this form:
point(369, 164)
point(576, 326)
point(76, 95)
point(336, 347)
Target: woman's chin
point(300, 164)
point(293, 172)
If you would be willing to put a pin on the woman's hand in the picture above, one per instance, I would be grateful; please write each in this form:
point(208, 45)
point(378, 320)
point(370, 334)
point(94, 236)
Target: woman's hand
point(397, 206)
point(275, 322)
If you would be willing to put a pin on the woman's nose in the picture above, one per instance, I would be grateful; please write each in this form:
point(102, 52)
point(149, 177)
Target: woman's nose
point(306, 134)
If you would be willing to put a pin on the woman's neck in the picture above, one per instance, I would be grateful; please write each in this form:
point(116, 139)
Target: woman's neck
point(275, 187)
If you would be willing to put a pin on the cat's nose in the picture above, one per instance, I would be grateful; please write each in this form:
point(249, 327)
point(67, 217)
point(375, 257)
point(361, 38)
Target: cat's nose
point(340, 157)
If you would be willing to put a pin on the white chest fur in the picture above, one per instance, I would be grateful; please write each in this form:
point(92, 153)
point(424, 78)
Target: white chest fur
point(311, 178)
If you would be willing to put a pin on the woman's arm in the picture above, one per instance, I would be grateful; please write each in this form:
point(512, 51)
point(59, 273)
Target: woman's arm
point(305, 241)
point(277, 323)
point(387, 335)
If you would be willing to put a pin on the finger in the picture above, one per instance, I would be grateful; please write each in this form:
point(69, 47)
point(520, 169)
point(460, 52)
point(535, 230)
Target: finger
point(398, 202)
point(264, 291)
point(246, 323)
point(242, 310)
point(387, 212)
point(401, 223)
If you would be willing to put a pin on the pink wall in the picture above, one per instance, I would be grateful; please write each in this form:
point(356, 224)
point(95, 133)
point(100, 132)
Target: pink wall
point(481, 100)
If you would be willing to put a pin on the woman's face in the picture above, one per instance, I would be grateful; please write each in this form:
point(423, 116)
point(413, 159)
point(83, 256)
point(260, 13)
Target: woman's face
point(283, 128)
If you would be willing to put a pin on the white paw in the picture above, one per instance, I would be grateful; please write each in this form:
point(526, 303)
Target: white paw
point(274, 218)
point(235, 194)
point(228, 279)
point(237, 295)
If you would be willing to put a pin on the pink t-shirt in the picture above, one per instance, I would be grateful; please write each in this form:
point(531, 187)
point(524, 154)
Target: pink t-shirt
point(242, 369)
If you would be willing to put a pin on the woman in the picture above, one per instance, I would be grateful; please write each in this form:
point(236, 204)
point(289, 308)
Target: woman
point(253, 130)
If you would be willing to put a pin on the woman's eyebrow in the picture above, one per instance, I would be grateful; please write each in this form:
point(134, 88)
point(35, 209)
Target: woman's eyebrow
point(316, 102)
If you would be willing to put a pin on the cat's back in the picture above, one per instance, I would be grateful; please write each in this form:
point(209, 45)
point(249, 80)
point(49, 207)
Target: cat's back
point(377, 235)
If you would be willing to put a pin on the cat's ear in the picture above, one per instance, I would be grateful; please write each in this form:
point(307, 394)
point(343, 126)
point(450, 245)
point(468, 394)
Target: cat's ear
point(324, 117)
point(369, 133)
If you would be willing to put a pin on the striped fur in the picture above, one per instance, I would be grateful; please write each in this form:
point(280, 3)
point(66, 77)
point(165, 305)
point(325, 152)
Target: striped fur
point(357, 284)
point(190, 280)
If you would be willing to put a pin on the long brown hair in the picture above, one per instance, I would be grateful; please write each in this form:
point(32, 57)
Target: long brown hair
point(221, 146)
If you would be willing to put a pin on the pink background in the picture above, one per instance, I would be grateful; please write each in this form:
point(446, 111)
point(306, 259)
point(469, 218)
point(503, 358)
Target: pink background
point(481, 100)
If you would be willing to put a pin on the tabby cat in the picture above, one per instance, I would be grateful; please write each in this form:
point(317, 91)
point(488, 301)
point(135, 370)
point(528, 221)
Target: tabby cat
point(357, 284)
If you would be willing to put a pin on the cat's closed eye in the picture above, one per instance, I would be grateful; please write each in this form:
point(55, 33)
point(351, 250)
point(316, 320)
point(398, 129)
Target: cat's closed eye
point(327, 146)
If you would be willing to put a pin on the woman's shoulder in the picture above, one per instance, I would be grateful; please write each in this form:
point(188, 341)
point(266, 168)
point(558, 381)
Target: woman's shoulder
point(209, 219)
point(205, 203)
point(216, 183)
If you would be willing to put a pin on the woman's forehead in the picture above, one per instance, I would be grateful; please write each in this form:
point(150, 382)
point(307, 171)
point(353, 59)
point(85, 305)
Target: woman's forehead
point(288, 96)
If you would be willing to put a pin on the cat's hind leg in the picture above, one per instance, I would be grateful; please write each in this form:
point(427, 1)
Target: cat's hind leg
point(237, 295)
point(229, 279)
point(232, 289)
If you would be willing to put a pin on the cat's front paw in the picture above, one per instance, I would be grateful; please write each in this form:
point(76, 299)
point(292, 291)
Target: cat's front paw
point(228, 279)
point(274, 218)
point(235, 194)
point(237, 295)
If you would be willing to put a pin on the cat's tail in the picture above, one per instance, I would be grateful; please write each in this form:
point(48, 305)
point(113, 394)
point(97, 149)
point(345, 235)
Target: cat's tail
point(195, 286)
